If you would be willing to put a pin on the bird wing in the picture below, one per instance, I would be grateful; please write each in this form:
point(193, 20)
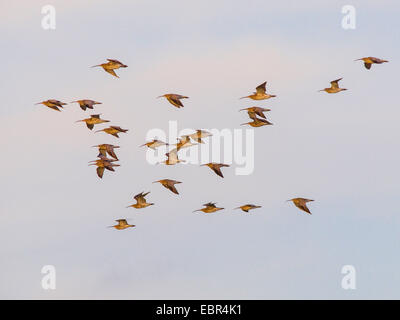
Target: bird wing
point(367, 65)
point(170, 186)
point(96, 116)
point(100, 171)
point(174, 100)
point(122, 222)
point(302, 206)
point(111, 71)
point(334, 83)
point(261, 88)
point(111, 152)
point(113, 60)
point(90, 126)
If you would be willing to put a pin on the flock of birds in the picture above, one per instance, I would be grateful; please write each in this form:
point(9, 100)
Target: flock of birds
point(256, 114)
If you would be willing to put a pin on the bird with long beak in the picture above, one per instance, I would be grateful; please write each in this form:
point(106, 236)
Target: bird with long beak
point(261, 93)
point(301, 203)
point(140, 201)
point(154, 144)
point(172, 158)
point(103, 163)
point(334, 87)
point(369, 61)
point(52, 104)
point(169, 184)
point(86, 103)
point(111, 65)
point(122, 224)
point(216, 167)
point(113, 130)
point(209, 208)
point(256, 111)
point(105, 149)
point(174, 99)
point(257, 122)
point(94, 119)
point(184, 142)
point(248, 207)
point(199, 134)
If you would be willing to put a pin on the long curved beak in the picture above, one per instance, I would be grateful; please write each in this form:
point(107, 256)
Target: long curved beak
point(243, 97)
point(160, 97)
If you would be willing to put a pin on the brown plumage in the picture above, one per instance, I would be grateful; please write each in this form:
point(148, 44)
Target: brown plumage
point(174, 99)
point(257, 122)
point(103, 163)
point(334, 87)
point(172, 157)
point(86, 103)
point(369, 61)
point(184, 142)
point(113, 130)
point(169, 184)
point(154, 144)
point(253, 111)
point(94, 119)
point(140, 201)
point(209, 208)
point(122, 224)
point(261, 93)
point(52, 104)
point(216, 167)
point(301, 203)
point(248, 207)
point(107, 148)
point(111, 65)
point(199, 134)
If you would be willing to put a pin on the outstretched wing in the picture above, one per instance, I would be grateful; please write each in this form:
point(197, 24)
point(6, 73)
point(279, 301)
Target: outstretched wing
point(335, 84)
point(261, 88)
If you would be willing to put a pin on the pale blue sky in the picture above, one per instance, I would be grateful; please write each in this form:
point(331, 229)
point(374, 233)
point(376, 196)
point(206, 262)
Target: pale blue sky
point(341, 150)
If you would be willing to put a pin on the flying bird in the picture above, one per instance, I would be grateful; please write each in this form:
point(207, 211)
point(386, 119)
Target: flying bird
point(174, 99)
point(111, 65)
point(169, 184)
point(248, 207)
point(172, 157)
point(103, 163)
point(256, 111)
point(200, 134)
point(52, 104)
point(260, 94)
point(301, 203)
point(369, 61)
point(184, 142)
point(105, 149)
point(122, 224)
point(113, 130)
point(209, 208)
point(154, 144)
point(216, 167)
point(334, 87)
point(141, 201)
point(258, 122)
point(86, 103)
point(94, 119)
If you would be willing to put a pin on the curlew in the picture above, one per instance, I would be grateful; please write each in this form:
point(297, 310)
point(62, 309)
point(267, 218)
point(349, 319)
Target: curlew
point(209, 208)
point(122, 224)
point(140, 201)
point(86, 103)
point(301, 203)
point(369, 61)
point(216, 167)
point(107, 148)
point(103, 163)
point(113, 130)
point(184, 142)
point(172, 158)
point(111, 65)
point(248, 207)
point(256, 111)
point(94, 119)
point(260, 94)
point(154, 144)
point(169, 184)
point(257, 122)
point(52, 104)
point(334, 87)
point(174, 99)
point(199, 134)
